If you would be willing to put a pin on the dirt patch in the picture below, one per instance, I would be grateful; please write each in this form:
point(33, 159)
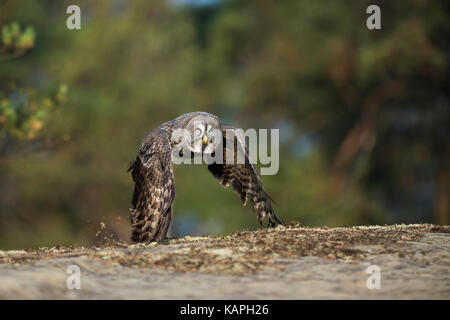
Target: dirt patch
point(248, 252)
point(282, 263)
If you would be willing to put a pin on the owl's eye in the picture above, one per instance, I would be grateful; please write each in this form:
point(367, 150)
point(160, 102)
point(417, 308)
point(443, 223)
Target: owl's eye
point(197, 132)
point(210, 133)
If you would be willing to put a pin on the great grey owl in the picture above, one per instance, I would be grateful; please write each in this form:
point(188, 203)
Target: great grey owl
point(190, 135)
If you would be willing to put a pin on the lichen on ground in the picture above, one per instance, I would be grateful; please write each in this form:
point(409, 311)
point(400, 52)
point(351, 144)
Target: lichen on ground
point(246, 252)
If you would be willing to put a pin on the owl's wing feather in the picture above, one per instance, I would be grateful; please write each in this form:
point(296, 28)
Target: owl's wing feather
point(154, 189)
point(243, 177)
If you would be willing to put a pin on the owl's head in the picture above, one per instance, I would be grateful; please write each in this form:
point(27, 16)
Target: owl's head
point(203, 132)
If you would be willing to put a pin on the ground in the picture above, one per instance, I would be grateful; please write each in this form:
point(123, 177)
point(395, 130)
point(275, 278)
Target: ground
point(291, 262)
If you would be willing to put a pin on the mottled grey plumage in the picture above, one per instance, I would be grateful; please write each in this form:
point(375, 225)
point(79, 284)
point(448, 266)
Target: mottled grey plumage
point(152, 173)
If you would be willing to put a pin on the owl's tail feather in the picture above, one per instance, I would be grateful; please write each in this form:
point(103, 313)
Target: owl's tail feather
point(263, 208)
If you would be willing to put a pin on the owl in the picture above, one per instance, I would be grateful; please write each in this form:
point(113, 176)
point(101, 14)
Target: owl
point(187, 137)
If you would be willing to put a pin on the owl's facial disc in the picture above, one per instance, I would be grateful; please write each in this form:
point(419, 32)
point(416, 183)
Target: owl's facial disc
point(211, 139)
point(202, 131)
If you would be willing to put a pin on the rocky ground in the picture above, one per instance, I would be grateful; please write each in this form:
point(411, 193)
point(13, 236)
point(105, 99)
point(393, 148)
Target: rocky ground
point(283, 263)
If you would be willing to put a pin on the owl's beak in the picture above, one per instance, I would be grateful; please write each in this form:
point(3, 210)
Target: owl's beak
point(205, 139)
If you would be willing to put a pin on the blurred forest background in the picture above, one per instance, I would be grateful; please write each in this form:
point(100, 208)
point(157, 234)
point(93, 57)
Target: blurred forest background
point(363, 114)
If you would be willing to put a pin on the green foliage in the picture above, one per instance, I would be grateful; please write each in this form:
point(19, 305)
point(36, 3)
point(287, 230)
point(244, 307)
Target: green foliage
point(23, 117)
point(16, 41)
point(23, 111)
point(370, 106)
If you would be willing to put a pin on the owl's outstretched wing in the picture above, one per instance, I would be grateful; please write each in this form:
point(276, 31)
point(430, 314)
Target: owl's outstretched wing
point(154, 189)
point(243, 177)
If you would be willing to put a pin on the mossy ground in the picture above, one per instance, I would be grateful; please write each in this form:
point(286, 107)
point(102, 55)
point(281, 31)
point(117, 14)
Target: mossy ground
point(247, 252)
